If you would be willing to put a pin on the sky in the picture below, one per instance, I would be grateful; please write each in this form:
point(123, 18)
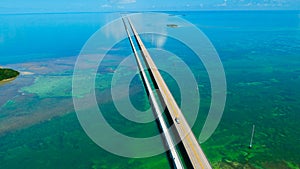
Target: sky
point(32, 6)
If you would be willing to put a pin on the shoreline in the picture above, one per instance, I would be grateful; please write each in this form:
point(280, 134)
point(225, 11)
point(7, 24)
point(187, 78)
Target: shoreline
point(9, 79)
point(4, 81)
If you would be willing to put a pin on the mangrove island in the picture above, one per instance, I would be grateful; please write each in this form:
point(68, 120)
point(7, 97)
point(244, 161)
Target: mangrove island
point(7, 74)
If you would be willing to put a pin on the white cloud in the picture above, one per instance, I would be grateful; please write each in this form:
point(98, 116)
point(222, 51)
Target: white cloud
point(248, 4)
point(120, 7)
point(117, 4)
point(126, 1)
point(106, 6)
point(121, 1)
point(223, 4)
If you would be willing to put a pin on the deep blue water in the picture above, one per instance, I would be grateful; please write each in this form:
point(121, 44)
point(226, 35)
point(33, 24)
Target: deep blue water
point(26, 37)
point(29, 37)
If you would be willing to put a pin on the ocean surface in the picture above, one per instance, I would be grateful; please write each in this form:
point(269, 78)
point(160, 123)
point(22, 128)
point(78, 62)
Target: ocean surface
point(260, 52)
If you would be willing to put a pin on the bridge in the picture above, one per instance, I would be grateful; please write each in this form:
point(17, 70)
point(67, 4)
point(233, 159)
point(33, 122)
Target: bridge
point(195, 157)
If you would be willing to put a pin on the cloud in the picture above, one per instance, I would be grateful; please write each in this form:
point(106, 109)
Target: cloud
point(117, 4)
point(223, 4)
point(121, 1)
point(106, 6)
point(126, 1)
point(248, 4)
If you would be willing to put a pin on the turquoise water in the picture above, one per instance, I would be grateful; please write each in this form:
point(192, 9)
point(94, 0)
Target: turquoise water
point(260, 52)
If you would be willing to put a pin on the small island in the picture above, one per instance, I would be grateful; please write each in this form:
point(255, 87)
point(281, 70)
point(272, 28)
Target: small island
point(8, 74)
point(172, 25)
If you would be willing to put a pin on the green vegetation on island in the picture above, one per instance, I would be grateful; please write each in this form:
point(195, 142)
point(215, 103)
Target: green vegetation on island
point(172, 25)
point(6, 74)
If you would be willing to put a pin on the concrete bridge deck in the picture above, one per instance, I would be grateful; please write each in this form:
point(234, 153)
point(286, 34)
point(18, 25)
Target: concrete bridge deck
point(191, 146)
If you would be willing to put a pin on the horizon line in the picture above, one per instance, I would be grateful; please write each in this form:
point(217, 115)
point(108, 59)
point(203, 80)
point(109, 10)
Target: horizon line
point(140, 11)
